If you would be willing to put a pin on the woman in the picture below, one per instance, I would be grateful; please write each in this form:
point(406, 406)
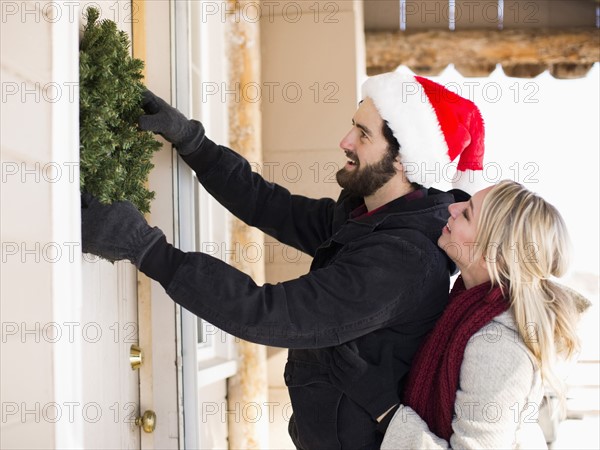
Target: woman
point(479, 378)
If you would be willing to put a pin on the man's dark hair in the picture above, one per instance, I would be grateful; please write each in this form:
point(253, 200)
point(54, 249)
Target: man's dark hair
point(388, 134)
point(393, 146)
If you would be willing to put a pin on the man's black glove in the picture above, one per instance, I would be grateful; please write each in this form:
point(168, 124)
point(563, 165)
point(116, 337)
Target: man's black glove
point(115, 232)
point(371, 386)
point(186, 135)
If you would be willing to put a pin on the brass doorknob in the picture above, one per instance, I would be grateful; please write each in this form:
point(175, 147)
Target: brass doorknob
point(147, 421)
point(136, 356)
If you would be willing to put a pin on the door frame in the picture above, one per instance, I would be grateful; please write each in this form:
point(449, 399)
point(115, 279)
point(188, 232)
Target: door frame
point(158, 315)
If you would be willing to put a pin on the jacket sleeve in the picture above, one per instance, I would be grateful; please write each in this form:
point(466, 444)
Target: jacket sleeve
point(408, 430)
point(358, 293)
point(492, 402)
point(295, 220)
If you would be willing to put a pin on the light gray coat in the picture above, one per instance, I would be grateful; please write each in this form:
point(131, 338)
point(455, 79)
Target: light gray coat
point(497, 402)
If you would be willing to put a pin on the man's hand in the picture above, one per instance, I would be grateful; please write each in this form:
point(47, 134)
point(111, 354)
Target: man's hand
point(186, 135)
point(115, 232)
point(371, 386)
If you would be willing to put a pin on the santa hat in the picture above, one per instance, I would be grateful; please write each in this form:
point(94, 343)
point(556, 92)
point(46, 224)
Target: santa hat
point(433, 126)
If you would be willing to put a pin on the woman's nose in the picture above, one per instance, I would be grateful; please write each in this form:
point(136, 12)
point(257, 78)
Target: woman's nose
point(454, 209)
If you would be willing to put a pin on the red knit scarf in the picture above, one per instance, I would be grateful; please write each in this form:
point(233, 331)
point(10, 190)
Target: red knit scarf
point(433, 379)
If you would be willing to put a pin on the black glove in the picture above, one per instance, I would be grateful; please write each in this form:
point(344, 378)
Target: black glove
point(115, 232)
point(371, 386)
point(186, 135)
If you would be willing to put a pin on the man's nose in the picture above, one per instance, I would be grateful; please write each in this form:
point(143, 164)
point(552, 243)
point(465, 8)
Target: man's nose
point(347, 142)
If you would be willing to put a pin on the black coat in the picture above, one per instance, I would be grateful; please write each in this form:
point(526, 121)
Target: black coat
point(375, 280)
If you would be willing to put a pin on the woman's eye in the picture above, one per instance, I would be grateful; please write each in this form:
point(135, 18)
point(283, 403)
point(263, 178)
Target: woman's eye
point(465, 214)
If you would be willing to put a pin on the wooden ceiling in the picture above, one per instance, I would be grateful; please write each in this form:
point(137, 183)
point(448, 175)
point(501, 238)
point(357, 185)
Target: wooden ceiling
point(524, 37)
point(475, 53)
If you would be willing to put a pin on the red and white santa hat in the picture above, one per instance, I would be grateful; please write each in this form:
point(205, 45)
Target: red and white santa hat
point(433, 126)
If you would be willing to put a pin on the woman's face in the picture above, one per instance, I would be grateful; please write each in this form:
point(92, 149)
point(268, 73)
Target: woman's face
point(458, 236)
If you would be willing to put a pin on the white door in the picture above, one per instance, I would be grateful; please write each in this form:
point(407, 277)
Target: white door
point(109, 329)
point(110, 326)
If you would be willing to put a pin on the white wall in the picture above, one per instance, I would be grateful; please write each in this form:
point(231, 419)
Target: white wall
point(40, 288)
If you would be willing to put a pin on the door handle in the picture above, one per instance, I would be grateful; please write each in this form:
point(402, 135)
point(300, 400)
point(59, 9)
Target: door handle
point(147, 421)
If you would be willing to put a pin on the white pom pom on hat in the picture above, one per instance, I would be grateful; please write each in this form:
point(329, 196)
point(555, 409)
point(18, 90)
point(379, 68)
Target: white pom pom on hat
point(433, 126)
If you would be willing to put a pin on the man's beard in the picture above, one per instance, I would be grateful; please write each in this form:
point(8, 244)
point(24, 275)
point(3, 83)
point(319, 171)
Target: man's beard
point(365, 181)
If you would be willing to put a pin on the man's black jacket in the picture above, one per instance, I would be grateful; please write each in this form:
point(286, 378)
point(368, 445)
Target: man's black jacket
point(376, 280)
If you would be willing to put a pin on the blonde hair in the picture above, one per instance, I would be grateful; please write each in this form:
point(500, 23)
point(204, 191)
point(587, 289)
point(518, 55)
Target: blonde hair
point(524, 242)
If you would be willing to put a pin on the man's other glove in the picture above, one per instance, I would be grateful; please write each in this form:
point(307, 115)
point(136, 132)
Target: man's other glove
point(371, 386)
point(115, 232)
point(186, 135)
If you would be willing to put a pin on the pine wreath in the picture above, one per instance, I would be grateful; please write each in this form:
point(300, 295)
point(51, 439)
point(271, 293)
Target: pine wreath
point(115, 154)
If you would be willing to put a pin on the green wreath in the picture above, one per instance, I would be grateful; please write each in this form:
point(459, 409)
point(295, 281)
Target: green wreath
point(115, 155)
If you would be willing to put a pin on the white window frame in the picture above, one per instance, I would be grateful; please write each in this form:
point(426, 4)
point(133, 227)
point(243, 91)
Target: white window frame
point(199, 218)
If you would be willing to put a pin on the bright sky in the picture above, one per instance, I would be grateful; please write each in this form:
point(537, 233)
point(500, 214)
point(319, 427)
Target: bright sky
point(545, 133)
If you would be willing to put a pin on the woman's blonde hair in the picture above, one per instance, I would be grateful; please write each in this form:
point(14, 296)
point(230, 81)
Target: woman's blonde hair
point(524, 242)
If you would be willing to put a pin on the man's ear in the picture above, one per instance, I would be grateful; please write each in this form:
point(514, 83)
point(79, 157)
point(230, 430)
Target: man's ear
point(400, 170)
point(398, 164)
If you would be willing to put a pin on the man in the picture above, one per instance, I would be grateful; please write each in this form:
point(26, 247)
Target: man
point(378, 280)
